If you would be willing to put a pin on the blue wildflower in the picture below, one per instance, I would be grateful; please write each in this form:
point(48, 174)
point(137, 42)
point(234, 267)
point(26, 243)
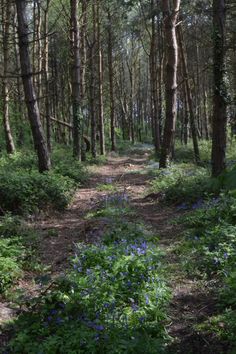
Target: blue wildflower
point(59, 320)
point(141, 319)
point(53, 312)
point(182, 206)
point(134, 307)
point(226, 255)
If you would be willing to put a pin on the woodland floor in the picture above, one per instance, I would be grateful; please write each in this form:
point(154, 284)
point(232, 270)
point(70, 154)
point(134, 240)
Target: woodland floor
point(192, 301)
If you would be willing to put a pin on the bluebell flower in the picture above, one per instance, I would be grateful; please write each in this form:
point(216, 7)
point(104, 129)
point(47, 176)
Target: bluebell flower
point(129, 284)
point(147, 300)
point(134, 307)
point(97, 337)
point(182, 206)
point(53, 312)
point(197, 204)
point(226, 255)
point(59, 320)
point(95, 326)
point(141, 319)
point(88, 271)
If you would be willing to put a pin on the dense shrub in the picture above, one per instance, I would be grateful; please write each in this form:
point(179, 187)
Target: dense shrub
point(12, 254)
point(183, 183)
point(16, 250)
point(24, 192)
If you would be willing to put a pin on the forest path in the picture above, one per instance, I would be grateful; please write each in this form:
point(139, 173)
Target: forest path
point(192, 302)
point(61, 231)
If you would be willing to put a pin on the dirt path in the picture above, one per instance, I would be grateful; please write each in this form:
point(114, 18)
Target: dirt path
point(60, 232)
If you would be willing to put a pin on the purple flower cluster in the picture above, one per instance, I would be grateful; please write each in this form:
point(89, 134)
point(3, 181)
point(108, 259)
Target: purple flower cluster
point(137, 249)
point(117, 199)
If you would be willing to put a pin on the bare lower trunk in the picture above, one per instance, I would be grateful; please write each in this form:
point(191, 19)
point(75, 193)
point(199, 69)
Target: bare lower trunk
point(75, 72)
point(189, 95)
point(219, 99)
point(170, 20)
point(46, 77)
point(111, 74)
point(30, 96)
point(100, 84)
point(10, 147)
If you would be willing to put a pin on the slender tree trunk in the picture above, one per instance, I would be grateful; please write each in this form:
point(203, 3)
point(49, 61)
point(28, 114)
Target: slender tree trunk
point(75, 71)
point(219, 99)
point(92, 63)
point(7, 12)
point(189, 95)
point(153, 79)
point(111, 75)
point(170, 20)
point(100, 84)
point(19, 100)
point(186, 115)
point(83, 70)
point(30, 96)
point(131, 103)
point(46, 77)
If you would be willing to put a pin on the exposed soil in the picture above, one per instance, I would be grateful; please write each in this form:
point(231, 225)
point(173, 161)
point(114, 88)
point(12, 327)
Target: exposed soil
point(191, 303)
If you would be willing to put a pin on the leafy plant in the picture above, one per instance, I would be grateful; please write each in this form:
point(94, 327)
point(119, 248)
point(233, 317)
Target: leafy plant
point(112, 301)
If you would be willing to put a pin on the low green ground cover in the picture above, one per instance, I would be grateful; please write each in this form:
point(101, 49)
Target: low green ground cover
point(113, 300)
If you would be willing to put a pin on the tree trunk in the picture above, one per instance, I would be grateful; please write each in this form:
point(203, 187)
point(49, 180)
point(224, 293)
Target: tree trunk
point(219, 98)
point(189, 95)
point(100, 83)
point(154, 85)
point(83, 58)
point(111, 75)
point(75, 72)
point(10, 147)
point(170, 20)
point(44, 163)
point(46, 77)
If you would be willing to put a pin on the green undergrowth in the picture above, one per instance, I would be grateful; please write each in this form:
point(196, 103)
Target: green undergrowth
point(183, 183)
point(208, 249)
point(209, 252)
point(113, 299)
point(127, 148)
point(17, 252)
point(23, 190)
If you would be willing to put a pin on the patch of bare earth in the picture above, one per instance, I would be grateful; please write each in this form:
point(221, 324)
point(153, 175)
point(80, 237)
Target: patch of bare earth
point(61, 231)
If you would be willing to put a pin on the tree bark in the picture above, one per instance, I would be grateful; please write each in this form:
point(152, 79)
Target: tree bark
point(189, 95)
point(170, 21)
point(220, 95)
point(100, 83)
point(44, 162)
point(10, 147)
point(46, 77)
point(111, 74)
point(154, 85)
point(75, 72)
